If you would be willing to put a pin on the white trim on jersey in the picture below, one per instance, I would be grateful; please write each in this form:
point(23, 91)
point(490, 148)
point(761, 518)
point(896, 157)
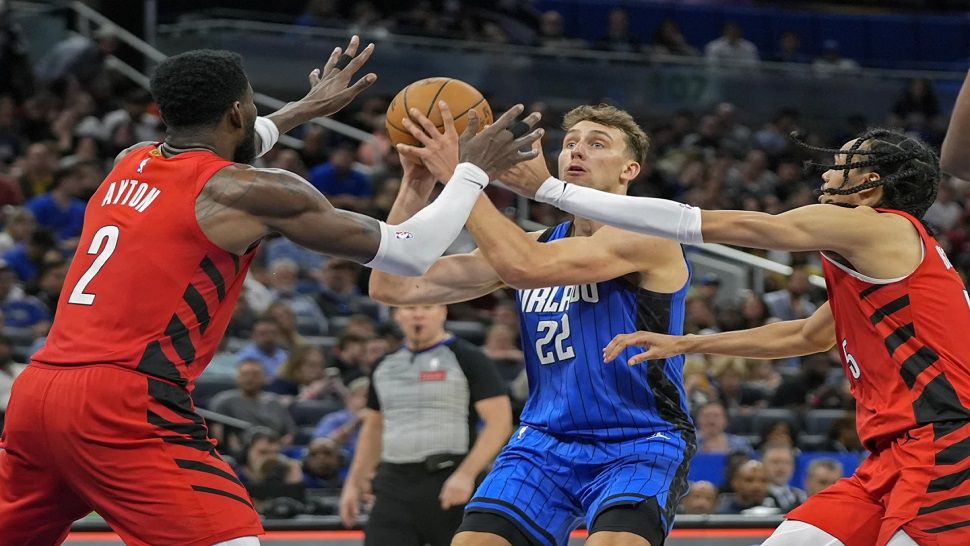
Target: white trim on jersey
point(872, 280)
point(241, 541)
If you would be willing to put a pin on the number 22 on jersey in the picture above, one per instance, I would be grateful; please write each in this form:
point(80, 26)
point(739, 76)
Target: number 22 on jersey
point(554, 344)
point(102, 246)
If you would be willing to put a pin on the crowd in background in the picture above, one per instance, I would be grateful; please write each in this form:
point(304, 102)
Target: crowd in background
point(305, 336)
point(520, 23)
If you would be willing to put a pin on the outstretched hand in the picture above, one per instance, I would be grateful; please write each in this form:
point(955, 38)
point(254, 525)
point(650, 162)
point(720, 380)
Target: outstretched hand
point(500, 146)
point(439, 149)
point(657, 346)
point(330, 88)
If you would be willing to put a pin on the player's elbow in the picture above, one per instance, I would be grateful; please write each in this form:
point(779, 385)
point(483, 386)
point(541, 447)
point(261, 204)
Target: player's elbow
point(812, 344)
point(499, 419)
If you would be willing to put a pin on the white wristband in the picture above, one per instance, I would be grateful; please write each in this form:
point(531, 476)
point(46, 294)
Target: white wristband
point(658, 217)
point(269, 135)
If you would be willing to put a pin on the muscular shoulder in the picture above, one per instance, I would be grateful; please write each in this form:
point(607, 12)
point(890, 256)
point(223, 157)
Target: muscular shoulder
point(273, 193)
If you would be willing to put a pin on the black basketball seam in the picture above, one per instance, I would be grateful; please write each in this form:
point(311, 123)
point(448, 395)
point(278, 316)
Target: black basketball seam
point(391, 123)
point(470, 108)
point(456, 118)
point(435, 98)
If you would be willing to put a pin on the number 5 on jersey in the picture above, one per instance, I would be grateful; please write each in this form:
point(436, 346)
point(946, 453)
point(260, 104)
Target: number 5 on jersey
point(103, 246)
point(552, 343)
point(850, 360)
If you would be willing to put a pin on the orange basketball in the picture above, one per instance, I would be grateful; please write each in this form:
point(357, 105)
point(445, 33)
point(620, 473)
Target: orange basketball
point(424, 95)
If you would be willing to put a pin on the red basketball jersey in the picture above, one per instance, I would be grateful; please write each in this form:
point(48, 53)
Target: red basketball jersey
point(147, 290)
point(905, 344)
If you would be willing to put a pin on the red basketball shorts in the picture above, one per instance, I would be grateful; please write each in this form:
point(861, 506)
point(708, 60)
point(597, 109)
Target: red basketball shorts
point(919, 483)
point(122, 444)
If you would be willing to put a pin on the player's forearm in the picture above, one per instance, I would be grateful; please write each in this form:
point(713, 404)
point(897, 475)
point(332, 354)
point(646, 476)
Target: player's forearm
point(778, 340)
point(506, 247)
point(367, 454)
point(489, 442)
point(412, 246)
point(411, 198)
point(678, 221)
point(955, 152)
point(291, 115)
point(657, 217)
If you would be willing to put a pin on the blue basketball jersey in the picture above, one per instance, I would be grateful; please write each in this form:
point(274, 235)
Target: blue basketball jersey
point(572, 392)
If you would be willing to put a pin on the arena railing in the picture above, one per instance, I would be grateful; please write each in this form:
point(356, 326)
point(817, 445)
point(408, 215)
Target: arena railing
point(86, 15)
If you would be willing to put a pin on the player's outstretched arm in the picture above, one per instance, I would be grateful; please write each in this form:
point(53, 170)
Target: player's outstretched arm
point(813, 227)
point(955, 152)
point(241, 204)
point(777, 340)
point(450, 279)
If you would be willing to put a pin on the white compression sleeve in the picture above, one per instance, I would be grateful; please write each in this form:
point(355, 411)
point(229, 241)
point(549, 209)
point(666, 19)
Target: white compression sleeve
point(659, 217)
point(410, 247)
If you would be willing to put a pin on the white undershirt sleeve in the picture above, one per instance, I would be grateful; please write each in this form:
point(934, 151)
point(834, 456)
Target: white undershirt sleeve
point(410, 247)
point(648, 215)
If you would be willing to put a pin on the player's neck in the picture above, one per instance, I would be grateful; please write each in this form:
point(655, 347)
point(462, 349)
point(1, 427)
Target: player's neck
point(179, 142)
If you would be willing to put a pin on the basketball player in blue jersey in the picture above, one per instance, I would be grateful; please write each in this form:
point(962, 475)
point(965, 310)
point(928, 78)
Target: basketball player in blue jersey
point(604, 445)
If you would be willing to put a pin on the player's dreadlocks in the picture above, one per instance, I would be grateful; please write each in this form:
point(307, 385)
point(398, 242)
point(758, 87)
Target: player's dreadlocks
point(908, 169)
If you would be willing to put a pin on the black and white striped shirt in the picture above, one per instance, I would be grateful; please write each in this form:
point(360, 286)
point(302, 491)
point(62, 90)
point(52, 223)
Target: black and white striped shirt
point(427, 399)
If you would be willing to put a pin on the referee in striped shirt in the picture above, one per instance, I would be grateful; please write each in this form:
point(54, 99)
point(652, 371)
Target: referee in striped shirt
point(420, 424)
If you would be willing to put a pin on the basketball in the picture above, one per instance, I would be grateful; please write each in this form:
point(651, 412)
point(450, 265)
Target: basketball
point(424, 95)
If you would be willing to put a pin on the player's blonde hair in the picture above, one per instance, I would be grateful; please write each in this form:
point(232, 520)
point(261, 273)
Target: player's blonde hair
point(637, 141)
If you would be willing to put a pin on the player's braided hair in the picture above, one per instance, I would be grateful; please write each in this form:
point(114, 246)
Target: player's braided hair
point(908, 168)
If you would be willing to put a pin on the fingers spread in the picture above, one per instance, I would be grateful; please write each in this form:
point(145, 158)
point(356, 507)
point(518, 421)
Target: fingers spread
point(354, 65)
point(423, 121)
point(332, 61)
point(447, 119)
point(524, 143)
point(506, 118)
point(413, 151)
point(353, 45)
point(472, 128)
point(642, 357)
point(417, 132)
